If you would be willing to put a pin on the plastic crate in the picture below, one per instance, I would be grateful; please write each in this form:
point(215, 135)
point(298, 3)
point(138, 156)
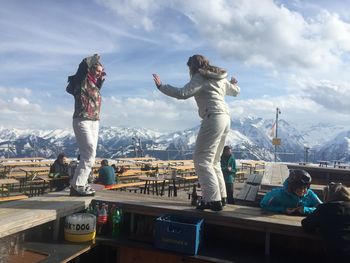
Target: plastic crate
point(179, 233)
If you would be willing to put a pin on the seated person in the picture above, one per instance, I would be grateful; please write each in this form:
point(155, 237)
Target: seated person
point(294, 197)
point(106, 174)
point(59, 168)
point(60, 165)
point(333, 220)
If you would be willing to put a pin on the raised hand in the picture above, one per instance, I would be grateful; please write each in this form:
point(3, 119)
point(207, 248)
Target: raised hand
point(233, 80)
point(157, 80)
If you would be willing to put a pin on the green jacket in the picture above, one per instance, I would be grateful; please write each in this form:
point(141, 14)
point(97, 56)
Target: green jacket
point(229, 176)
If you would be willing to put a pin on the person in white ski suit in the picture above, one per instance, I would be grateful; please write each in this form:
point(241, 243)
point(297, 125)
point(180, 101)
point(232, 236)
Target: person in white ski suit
point(208, 85)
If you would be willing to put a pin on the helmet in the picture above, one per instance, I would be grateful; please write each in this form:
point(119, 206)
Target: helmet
point(298, 178)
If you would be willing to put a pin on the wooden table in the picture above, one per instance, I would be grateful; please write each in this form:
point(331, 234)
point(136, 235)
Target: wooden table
point(235, 216)
point(32, 172)
point(21, 215)
point(153, 181)
point(31, 159)
point(4, 186)
point(136, 159)
point(9, 167)
point(323, 163)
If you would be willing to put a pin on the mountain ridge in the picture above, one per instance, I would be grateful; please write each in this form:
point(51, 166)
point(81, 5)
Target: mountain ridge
point(250, 138)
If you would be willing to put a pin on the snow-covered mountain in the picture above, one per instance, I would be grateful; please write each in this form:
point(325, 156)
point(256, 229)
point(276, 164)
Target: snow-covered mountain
point(336, 149)
point(250, 137)
point(318, 134)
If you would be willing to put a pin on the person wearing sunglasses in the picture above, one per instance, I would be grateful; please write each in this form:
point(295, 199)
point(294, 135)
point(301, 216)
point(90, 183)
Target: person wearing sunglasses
point(295, 197)
point(332, 219)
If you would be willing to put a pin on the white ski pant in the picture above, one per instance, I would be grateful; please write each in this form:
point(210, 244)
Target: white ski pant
point(209, 146)
point(86, 134)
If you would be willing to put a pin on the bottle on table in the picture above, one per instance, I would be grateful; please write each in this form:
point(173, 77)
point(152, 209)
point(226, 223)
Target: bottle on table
point(116, 222)
point(102, 219)
point(194, 196)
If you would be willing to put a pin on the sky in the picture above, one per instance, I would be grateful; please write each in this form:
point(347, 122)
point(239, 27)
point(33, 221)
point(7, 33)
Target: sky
point(290, 54)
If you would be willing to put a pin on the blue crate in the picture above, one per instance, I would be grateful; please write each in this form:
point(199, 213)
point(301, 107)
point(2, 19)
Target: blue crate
point(179, 233)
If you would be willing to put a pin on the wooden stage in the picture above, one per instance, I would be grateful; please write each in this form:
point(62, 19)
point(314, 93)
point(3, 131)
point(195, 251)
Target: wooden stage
point(26, 214)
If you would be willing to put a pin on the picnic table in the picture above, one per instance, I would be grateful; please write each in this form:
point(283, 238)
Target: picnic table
point(136, 159)
point(323, 163)
point(31, 159)
point(5, 184)
point(8, 167)
point(32, 172)
point(151, 183)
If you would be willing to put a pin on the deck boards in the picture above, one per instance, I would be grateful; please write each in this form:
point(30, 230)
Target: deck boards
point(21, 215)
point(24, 214)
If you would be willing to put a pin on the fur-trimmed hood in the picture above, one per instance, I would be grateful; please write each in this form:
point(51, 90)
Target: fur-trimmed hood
point(220, 74)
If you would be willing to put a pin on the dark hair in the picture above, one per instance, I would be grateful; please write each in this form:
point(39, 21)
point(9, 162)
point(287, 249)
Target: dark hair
point(104, 162)
point(298, 178)
point(336, 192)
point(227, 147)
point(197, 62)
point(61, 156)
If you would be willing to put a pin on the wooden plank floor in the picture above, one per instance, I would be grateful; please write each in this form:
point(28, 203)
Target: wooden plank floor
point(275, 173)
point(233, 215)
point(21, 215)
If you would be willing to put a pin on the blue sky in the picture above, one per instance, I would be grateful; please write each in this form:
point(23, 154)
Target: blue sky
point(288, 54)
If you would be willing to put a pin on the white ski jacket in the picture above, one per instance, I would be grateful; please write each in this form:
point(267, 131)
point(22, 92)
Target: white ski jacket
point(208, 88)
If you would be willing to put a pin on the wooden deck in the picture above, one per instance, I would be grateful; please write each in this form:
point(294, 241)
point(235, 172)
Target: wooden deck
point(25, 214)
point(21, 215)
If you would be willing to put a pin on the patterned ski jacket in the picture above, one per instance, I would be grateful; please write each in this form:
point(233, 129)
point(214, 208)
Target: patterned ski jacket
point(86, 94)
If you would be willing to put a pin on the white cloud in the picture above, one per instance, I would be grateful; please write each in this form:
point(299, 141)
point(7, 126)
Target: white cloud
point(260, 32)
point(19, 105)
point(137, 13)
point(8, 91)
point(333, 96)
point(296, 109)
point(157, 112)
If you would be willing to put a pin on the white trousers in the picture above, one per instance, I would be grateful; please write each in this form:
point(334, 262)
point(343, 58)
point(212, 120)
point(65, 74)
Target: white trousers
point(86, 134)
point(209, 146)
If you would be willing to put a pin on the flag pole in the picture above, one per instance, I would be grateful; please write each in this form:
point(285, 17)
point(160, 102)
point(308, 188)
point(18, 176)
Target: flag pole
point(278, 111)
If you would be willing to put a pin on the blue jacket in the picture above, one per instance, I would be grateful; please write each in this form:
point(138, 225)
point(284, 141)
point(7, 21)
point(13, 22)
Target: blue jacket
point(106, 175)
point(278, 200)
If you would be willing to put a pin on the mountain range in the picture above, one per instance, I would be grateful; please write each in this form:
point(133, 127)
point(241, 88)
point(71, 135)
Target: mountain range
point(250, 137)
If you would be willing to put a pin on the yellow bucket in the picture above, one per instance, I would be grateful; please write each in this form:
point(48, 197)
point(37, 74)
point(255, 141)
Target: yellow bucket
point(80, 227)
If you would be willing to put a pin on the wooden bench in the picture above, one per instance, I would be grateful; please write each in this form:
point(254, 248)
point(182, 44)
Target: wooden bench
point(240, 176)
point(6, 185)
point(256, 171)
point(235, 216)
point(249, 191)
point(323, 163)
point(25, 214)
point(12, 198)
point(124, 186)
point(188, 180)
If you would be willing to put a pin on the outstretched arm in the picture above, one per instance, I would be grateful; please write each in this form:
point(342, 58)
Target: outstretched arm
point(232, 89)
point(189, 90)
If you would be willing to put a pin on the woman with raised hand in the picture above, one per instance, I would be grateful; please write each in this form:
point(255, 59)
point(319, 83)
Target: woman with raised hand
point(85, 86)
point(208, 85)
